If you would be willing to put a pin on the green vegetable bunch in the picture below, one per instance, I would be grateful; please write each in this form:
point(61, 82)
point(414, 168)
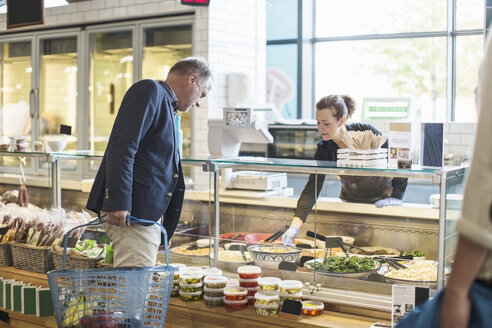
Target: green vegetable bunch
point(415, 253)
point(345, 264)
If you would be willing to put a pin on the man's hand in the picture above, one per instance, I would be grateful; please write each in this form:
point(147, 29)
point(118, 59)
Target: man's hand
point(118, 218)
point(390, 201)
point(289, 235)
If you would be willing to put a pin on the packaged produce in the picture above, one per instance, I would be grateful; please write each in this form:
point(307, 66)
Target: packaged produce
point(252, 290)
point(212, 272)
point(213, 301)
point(271, 309)
point(248, 282)
point(215, 281)
point(312, 308)
point(269, 284)
point(290, 286)
point(188, 297)
point(188, 278)
point(267, 299)
point(190, 287)
point(213, 292)
point(249, 272)
point(235, 293)
point(235, 305)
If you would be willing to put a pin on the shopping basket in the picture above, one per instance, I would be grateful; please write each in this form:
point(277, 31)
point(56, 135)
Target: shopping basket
point(111, 297)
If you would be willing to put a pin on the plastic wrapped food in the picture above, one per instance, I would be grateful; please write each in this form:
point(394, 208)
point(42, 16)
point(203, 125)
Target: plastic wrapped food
point(213, 292)
point(213, 301)
point(312, 308)
point(248, 282)
point(187, 278)
point(269, 284)
point(235, 305)
point(267, 299)
point(188, 297)
point(235, 293)
point(249, 272)
point(266, 310)
point(212, 272)
point(290, 286)
point(190, 287)
point(215, 281)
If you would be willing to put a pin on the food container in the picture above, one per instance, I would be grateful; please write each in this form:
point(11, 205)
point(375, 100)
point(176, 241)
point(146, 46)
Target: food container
point(188, 297)
point(215, 281)
point(180, 267)
point(190, 287)
point(252, 290)
point(312, 308)
point(212, 272)
point(187, 278)
point(213, 301)
point(235, 305)
point(235, 293)
point(191, 270)
point(292, 297)
point(176, 283)
point(251, 300)
point(290, 286)
point(175, 291)
point(266, 299)
point(248, 282)
point(271, 309)
point(269, 284)
point(249, 272)
point(232, 283)
point(213, 292)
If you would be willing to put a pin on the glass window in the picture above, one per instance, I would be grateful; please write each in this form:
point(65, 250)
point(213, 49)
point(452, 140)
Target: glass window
point(469, 14)
point(58, 87)
point(282, 78)
point(282, 19)
point(414, 68)
point(355, 17)
point(469, 52)
point(15, 85)
point(110, 76)
point(164, 46)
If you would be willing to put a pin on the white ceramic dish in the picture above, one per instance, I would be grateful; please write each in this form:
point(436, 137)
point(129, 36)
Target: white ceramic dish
point(271, 260)
point(353, 275)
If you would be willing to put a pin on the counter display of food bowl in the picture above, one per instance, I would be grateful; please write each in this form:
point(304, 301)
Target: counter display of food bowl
point(269, 256)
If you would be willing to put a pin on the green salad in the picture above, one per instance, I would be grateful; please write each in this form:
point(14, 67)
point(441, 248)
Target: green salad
point(345, 264)
point(415, 253)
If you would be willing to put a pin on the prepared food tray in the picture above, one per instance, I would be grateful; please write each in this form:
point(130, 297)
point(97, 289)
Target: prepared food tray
point(233, 256)
point(376, 250)
point(348, 267)
point(421, 272)
point(185, 250)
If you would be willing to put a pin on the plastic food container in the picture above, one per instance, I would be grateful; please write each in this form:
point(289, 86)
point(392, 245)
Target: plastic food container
point(232, 283)
point(191, 270)
point(266, 299)
point(190, 287)
point(235, 305)
point(212, 272)
point(176, 283)
point(187, 278)
point(180, 267)
point(251, 300)
point(215, 281)
point(188, 297)
point(175, 291)
point(312, 308)
point(235, 293)
point(249, 272)
point(213, 301)
point(252, 290)
point(269, 284)
point(292, 297)
point(248, 282)
point(266, 310)
point(290, 286)
point(213, 292)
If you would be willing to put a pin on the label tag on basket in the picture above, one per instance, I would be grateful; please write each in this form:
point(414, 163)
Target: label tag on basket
point(287, 266)
point(291, 310)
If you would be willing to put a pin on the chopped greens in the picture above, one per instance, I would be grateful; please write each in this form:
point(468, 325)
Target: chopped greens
point(345, 264)
point(415, 253)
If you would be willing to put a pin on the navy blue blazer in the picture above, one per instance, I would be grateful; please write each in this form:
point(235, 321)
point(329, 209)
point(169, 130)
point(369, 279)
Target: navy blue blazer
point(141, 169)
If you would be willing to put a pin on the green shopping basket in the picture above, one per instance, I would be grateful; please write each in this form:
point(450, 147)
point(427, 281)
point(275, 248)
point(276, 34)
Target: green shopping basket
point(111, 297)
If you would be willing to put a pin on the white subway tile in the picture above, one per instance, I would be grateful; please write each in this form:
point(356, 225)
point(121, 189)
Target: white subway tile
point(151, 8)
point(90, 15)
point(127, 2)
point(467, 139)
point(97, 4)
point(77, 17)
point(104, 14)
point(119, 12)
point(50, 20)
point(134, 10)
point(111, 3)
point(461, 128)
point(452, 139)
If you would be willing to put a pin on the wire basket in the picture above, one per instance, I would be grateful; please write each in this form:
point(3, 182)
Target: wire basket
point(112, 297)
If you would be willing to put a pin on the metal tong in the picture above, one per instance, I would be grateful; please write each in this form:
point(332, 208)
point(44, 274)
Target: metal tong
point(391, 262)
point(274, 237)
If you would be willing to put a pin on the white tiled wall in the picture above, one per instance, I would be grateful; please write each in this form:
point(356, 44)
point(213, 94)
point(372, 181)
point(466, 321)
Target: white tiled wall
point(231, 34)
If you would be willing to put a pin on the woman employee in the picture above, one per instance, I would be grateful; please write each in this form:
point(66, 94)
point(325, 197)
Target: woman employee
point(332, 113)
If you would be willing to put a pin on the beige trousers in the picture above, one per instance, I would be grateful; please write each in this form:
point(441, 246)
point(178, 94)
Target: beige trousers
point(134, 246)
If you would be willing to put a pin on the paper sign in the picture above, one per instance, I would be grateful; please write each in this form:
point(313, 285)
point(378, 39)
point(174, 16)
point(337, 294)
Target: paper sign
point(287, 266)
point(399, 142)
point(405, 299)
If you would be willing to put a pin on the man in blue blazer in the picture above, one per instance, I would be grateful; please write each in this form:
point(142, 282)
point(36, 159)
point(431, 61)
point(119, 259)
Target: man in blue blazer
point(141, 169)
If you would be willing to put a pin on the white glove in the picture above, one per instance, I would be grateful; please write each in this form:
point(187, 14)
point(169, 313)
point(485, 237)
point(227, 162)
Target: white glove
point(289, 235)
